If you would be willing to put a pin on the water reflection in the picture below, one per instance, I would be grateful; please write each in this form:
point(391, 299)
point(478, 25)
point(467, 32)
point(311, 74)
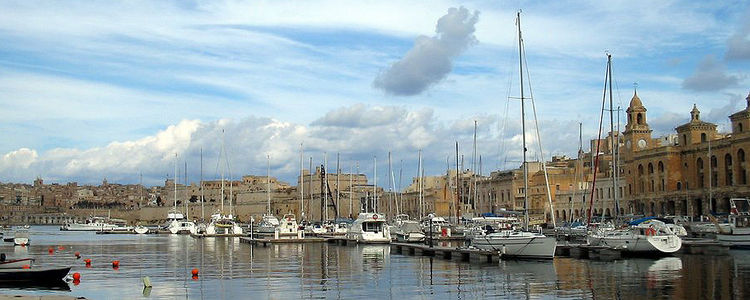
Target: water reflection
point(230, 269)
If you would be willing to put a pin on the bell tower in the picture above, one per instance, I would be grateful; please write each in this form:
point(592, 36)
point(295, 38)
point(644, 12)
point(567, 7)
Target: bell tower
point(637, 134)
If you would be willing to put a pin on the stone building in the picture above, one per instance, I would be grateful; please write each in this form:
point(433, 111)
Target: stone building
point(694, 174)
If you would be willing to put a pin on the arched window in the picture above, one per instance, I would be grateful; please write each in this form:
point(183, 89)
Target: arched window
point(639, 118)
point(661, 167)
point(679, 185)
point(699, 174)
point(640, 170)
point(650, 169)
point(739, 127)
point(741, 167)
point(728, 169)
point(703, 137)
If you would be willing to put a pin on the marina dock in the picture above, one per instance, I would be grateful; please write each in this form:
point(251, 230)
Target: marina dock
point(266, 241)
point(460, 254)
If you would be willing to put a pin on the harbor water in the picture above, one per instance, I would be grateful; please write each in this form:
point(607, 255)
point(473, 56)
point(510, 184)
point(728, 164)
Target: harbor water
point(229, 269)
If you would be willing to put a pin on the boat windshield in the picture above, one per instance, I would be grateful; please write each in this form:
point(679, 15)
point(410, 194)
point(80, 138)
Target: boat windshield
point(372, 226)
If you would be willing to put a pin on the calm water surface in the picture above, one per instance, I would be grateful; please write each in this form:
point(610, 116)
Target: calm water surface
point(233, 270)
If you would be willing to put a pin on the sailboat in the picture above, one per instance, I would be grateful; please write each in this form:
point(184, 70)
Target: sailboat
point(221, 223)
point(516, 242)
point(646, 235)
point(178, 223)
point(269, 222)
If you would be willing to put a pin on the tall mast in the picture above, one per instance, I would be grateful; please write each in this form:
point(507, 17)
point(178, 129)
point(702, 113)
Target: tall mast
point(175, 182)
point(222, 171)
point(350, 191)
point(338, 171)
point(614, 138)
point(301, 182)
point(472, 183)
point(324, 187)
point(203, 213)
point(187, 212)
point(400, 195)
point(523, 128)
point(710, 178)
point(268, 184)
point(375, 184)
point(140, 189)
point(458, 187)
point(420, 209)
point(393, 199)
point(310, 186)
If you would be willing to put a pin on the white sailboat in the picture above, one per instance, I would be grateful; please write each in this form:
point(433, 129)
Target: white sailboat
point(269, 222)
point(221, 223)
point(514, 242)
point(646, 235)
point(178, 223)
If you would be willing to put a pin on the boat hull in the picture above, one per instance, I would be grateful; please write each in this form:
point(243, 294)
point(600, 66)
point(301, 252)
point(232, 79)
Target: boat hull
point(533, 247)
point(16, 263)
point(639, 244)
point(38, 276)
point(734, 240)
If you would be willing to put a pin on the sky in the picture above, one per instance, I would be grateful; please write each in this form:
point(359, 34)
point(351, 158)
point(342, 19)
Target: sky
point(119, 89)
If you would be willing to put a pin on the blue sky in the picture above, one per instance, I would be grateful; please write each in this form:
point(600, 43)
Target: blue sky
point(111, 89)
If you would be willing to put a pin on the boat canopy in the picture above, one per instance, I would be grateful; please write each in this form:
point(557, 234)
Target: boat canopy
point(641, 220)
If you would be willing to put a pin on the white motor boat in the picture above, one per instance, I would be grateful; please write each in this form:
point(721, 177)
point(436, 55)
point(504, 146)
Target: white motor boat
point(369, 228)
point(288, 226)
point(98, 224)
point(21, 238)
point(267, 224)
point(315, 228)
point(440, 227)
point(738, 235)
point(409, 231)
point(177, 224)
point(646, 235)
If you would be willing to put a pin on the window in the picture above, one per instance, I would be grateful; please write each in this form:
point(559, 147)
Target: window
point(679, 185)
point(639, 118)
point(661, 167)
point(699, 170)
point(728, 180)
point(741, 166)
point(714, 171)
point(684, 139)
point(650, 169)
point(739, 127)
point(703, 137)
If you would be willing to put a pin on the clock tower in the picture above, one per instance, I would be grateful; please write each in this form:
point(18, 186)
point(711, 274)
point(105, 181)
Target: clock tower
point(637, 134)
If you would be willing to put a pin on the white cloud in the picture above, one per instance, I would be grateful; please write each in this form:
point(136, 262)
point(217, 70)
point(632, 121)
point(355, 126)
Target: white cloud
point(711, 75)
point(431, 58)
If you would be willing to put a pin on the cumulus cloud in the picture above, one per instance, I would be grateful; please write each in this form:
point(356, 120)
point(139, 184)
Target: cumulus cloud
point(431, 58)
point(738, 45)
point(711, 75)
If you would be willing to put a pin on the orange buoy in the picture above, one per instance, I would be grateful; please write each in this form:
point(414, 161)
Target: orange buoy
point(51, 250)
point(25, 267)
point(88, 262)
point(195, 272)
point(76, 276)
point(78, 255)
point(115, 264)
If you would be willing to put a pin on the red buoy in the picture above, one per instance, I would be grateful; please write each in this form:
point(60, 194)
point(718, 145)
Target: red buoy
point(195, 277)
point(195, 272)
point(51, 250)
point(88, 262)
point(115, 264)
point(76, 276)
